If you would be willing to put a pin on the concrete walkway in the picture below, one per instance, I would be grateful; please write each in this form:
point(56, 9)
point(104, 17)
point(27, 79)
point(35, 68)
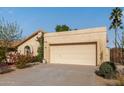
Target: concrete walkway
point(50, 74)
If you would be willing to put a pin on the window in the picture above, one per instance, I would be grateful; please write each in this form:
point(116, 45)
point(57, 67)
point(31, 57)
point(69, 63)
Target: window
point(27, 50)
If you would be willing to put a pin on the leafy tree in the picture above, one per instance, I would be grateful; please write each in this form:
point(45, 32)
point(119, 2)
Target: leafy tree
point(9, 32)
point(116, 22)
point(60, 28)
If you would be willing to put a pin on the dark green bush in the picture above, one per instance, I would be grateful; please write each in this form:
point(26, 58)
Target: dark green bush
point(40, 50)
point(22, 61)
point(107, 70)
point(39, 57)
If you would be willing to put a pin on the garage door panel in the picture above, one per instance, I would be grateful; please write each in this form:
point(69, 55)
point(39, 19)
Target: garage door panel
point(82, 54)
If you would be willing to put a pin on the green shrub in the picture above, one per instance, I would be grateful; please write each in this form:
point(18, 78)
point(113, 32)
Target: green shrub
point(107, 70)
point(40, 50)
point(22, 61)
point(39, 57)
point(35, 59)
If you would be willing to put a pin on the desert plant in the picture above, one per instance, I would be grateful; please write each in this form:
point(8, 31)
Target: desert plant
point(107, 70)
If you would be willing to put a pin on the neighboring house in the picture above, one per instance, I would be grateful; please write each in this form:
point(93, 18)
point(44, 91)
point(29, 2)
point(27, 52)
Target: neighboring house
point(30, 45)
point(80, 47)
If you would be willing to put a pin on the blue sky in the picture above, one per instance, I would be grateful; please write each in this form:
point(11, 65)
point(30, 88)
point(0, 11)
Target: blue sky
point(32, 19)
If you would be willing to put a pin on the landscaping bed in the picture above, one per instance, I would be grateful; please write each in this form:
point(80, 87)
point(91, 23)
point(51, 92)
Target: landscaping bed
point(110, 74)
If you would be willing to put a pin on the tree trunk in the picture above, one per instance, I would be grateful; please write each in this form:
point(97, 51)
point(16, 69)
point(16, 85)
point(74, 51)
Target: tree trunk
point(115, 59)
point(115, 38)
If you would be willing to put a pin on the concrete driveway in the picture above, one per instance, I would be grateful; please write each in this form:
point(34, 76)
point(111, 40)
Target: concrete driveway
point(51, 74)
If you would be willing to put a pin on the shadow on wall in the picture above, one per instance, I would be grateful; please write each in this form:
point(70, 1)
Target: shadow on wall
point(101, 55)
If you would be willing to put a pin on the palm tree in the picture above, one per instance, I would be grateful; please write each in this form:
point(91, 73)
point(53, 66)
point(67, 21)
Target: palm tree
point(116, 21)
point(116, 24)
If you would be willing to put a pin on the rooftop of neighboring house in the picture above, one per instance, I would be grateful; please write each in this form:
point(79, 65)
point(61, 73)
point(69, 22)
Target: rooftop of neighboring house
point(13, 43)
point(16, 43)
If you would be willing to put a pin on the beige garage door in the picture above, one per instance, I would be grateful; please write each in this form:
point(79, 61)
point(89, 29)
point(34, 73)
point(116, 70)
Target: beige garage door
point(80, 54)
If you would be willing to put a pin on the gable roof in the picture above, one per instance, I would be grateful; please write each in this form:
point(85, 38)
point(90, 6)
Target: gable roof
point(15, 43)
point(34, 34)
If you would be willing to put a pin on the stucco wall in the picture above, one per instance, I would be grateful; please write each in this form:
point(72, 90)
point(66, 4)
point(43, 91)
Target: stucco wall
point(32, 43)
point(79, 36)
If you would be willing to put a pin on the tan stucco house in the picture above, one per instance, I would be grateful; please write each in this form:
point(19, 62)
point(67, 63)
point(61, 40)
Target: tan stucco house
point(30, 44)
point(80, 47)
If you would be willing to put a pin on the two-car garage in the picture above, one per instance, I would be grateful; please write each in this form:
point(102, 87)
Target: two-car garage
point(80, 47)
point(81, 54)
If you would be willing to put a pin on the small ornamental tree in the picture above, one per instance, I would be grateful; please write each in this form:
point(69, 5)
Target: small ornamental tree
point(40, 50)
point(9, 32)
